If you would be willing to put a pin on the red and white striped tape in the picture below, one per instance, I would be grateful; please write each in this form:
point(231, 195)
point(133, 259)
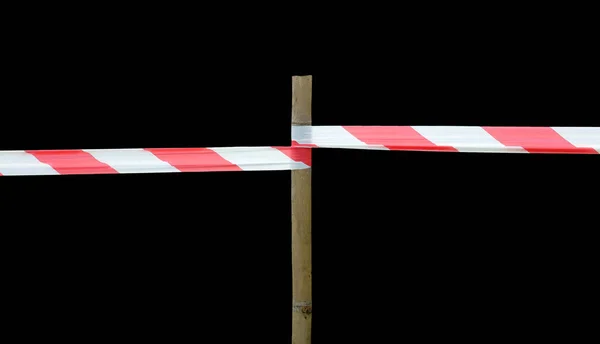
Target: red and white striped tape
point(114, 161)
point(557, 140)
point(563, 140)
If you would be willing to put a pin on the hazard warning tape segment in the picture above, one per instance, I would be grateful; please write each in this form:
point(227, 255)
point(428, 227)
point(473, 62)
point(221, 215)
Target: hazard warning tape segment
point(542, 140)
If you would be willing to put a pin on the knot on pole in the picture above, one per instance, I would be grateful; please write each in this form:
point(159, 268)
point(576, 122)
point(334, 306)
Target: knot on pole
point(302, 307)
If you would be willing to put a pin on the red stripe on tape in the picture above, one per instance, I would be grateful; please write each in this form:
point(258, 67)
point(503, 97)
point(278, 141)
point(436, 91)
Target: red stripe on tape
point(72, 162)
point(193, 159)
point(396, 138)
point(535, 140)
point(296, 144)
point(297, 154)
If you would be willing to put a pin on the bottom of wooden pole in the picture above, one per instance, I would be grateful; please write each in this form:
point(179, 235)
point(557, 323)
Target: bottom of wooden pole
point(301, 328)
point(301, 257)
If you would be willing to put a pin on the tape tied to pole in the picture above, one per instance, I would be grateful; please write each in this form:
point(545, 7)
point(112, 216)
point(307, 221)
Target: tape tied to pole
point(462, 139)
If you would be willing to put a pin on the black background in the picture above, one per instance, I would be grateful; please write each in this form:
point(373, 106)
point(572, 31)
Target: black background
point(405, 243)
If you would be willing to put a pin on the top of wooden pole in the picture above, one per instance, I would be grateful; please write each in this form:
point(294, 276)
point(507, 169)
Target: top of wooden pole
point(302, 100)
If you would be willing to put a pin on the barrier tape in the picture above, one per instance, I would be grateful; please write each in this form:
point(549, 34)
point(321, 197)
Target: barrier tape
point(557, 140)
point(159, 160)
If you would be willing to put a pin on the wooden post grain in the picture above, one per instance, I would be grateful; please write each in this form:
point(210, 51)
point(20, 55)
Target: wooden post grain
point(301, 222)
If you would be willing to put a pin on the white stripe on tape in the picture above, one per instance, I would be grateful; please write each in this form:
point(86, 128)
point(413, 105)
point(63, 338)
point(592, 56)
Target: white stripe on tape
point(21, 163)
point(581, 137)
point(465, 139)
point(258, 158)
point(330, 137)
point(325, 135)
point(131, 160)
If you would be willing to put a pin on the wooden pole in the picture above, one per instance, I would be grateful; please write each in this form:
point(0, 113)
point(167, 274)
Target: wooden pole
point(301, 222)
